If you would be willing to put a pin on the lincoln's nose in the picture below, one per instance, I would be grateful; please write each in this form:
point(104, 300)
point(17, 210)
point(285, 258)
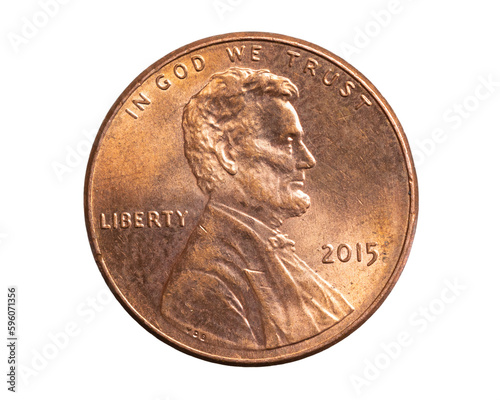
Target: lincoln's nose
point(306, 159)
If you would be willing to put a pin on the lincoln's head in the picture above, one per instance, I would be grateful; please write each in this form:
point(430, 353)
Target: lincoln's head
point(244, 143)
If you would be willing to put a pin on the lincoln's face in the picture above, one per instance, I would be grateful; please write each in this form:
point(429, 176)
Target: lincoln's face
point(272, 159)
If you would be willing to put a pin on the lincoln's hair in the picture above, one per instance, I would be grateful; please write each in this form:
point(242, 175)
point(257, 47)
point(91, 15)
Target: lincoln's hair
point(222, 110)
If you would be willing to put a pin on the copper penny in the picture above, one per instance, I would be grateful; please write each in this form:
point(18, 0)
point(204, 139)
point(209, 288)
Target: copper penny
point(251, 199)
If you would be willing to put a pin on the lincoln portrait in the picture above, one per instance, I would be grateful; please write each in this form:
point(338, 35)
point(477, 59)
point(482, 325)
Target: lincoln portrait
point(238, 281)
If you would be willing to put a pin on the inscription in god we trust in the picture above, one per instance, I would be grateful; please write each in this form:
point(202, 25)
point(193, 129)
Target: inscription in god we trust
point(143, 219)
point(327, 75)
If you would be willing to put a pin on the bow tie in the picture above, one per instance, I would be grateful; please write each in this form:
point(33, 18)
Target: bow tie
point(281, 241)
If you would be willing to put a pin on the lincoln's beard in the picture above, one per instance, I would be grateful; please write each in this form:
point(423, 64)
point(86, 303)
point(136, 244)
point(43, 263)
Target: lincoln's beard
point(271, 201)
point(290, 202)
point(282, 204)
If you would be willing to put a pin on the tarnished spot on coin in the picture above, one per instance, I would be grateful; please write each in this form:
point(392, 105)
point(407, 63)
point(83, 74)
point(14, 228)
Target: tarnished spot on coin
point(251, 199)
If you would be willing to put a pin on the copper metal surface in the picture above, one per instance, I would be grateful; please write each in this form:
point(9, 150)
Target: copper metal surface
point(251, 199)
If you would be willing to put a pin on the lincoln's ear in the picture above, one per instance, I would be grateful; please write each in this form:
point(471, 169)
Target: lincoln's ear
point(222, 149)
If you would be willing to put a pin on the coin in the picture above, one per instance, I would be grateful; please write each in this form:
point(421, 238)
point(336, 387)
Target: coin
point(251, 199)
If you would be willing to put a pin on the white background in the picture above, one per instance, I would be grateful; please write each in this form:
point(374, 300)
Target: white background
point(430, 59)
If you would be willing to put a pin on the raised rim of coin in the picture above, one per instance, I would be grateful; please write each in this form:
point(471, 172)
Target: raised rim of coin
point(413, 193)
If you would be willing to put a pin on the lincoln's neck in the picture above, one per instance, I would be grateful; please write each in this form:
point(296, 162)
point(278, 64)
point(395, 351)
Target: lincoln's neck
point(241, 201)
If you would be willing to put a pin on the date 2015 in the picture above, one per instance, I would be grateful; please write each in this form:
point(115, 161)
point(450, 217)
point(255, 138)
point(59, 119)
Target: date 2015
point(345, 253)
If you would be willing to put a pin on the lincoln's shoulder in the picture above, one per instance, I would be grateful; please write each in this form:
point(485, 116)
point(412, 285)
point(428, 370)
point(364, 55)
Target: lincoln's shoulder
point(211, 271)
